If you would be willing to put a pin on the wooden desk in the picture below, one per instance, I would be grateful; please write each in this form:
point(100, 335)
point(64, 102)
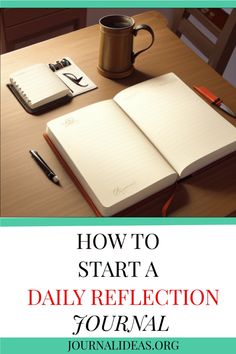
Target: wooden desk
point(26, 191)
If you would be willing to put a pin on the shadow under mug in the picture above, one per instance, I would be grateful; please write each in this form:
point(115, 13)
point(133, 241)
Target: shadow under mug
point(116, 56)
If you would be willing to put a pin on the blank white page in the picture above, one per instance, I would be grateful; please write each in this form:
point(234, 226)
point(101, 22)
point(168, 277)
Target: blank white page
point(112, 159)
point(184, 128)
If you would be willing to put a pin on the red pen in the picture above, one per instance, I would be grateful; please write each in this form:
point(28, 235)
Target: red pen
point(216, 101)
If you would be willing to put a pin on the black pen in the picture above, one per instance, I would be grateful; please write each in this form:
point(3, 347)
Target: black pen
point(46, 169)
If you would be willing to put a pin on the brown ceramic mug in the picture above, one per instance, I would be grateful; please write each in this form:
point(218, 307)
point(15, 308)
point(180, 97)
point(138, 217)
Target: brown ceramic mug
point(116, 56)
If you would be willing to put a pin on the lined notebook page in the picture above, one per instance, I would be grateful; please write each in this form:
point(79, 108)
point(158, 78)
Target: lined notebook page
point(184, 128)
point(110, 156)
point(38, 85)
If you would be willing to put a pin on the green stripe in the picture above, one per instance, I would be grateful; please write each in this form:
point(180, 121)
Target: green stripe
point(113, 4)
point(113, 221)
point(60, 345)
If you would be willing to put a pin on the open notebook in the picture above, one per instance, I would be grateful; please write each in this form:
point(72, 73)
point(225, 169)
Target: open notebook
point(140, 142)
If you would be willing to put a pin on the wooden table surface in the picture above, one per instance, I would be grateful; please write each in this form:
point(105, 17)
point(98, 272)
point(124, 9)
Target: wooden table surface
point(24, 189)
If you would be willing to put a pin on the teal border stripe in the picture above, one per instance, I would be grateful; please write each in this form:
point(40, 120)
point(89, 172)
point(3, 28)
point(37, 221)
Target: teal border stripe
point(60, 345)
point(113, 4)
point(7, 222)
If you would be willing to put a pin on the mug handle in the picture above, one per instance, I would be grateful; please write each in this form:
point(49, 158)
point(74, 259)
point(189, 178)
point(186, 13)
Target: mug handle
point(135, 32)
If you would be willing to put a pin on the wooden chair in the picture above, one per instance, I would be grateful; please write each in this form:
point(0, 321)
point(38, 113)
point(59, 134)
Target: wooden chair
point(20, 26)
point(219, 23)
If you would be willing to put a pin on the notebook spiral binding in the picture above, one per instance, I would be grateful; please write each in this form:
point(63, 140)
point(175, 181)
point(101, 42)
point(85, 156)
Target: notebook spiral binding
point(20, 91)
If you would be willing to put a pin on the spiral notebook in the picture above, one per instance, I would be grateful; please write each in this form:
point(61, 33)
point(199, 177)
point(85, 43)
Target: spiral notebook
point(42, 87)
